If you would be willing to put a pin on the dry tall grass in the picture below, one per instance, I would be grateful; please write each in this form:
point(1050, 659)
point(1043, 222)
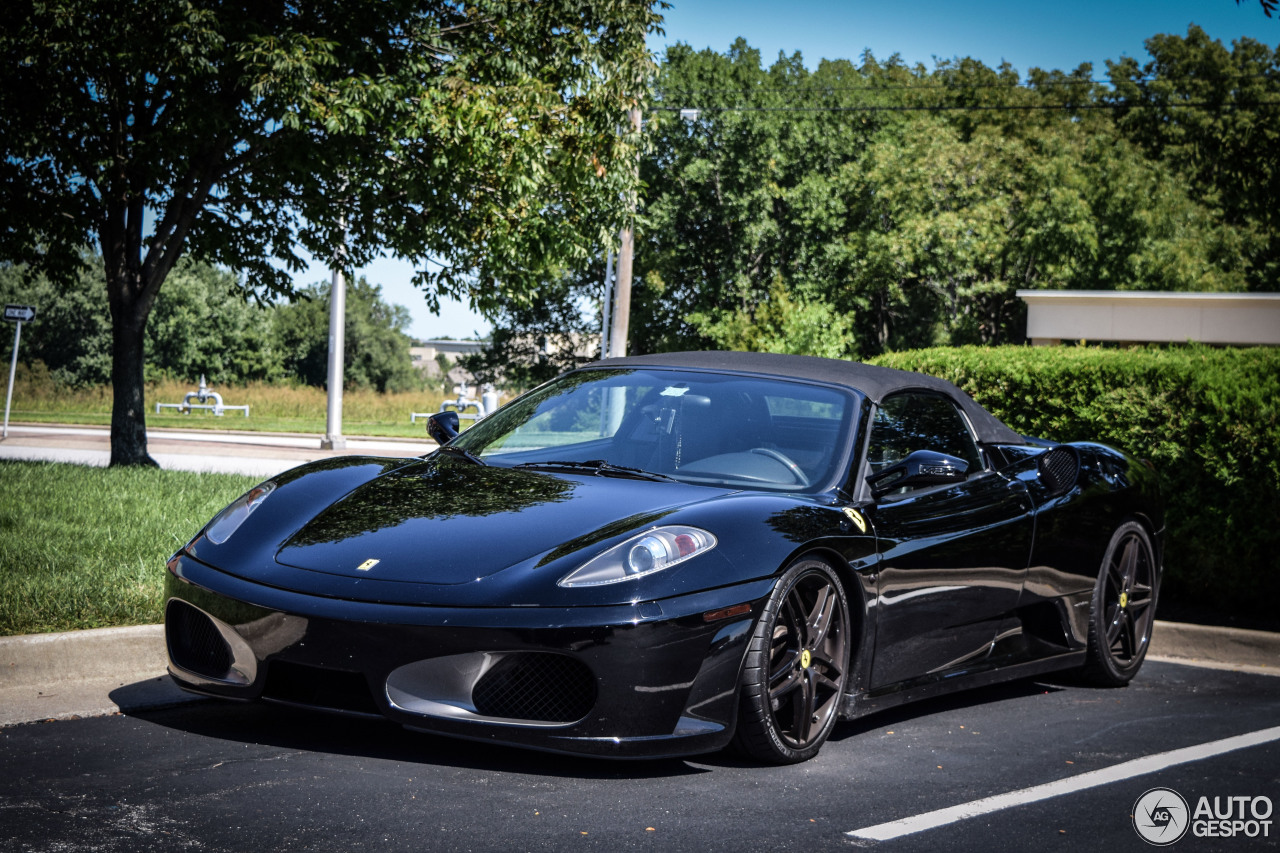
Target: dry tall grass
point(290, 408)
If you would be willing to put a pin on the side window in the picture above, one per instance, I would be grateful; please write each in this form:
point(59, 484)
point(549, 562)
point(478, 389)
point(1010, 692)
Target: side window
point(917, 421)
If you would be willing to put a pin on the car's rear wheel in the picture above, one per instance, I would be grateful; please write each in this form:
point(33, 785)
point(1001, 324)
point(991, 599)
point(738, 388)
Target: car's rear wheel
point(1124, 608)
point(796, 667)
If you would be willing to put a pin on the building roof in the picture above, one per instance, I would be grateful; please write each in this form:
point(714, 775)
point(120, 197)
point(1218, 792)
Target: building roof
point(873, 382)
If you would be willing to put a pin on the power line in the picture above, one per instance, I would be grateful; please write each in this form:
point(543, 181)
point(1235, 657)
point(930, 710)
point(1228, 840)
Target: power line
point(1029, 85)
point(909, 108)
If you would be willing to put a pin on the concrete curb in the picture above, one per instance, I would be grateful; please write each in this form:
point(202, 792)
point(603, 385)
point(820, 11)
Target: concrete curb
point(112, 670)
point(1213, 645)
point(84, 674)
point(40, 659)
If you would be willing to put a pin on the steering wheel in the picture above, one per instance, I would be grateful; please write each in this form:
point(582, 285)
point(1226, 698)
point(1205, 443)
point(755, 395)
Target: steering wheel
point(801, 479)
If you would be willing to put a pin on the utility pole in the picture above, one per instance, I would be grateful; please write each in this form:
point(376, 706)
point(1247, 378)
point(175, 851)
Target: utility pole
point(607, 325)
point(621, 317)
point(333, 439)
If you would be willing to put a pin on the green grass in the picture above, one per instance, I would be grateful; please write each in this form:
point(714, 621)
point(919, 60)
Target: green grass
point(85, 547)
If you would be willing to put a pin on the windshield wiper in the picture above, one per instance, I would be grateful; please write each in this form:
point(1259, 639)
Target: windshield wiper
point(461, 453)
point(602, 468)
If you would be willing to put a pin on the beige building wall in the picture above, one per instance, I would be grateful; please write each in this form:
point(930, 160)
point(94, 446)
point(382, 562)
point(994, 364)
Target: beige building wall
point(1243, 319)
point(424, 356)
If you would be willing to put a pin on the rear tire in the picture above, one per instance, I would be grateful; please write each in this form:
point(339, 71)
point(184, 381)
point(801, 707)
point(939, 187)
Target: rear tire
point(1124, 607)
point(796, 667)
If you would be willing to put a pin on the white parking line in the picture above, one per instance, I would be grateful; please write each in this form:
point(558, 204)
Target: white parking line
point(1092, 779)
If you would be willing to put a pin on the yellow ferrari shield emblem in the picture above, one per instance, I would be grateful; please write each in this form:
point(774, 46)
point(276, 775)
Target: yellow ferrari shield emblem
point(1124, 600)
point(856, 518)
point(367, 565)
point(805, 659)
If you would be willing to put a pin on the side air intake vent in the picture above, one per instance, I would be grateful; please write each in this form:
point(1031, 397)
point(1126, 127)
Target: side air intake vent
point(194, 641)
point(536, 686)
point(1059, 469)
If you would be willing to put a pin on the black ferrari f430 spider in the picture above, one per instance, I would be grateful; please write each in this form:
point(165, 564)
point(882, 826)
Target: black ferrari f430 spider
point(664, 554)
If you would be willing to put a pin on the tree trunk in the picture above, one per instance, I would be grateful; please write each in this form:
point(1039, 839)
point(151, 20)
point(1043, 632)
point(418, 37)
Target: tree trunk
point(128, 410)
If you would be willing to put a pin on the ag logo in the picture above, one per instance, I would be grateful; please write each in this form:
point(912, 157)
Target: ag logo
point(1160, 816)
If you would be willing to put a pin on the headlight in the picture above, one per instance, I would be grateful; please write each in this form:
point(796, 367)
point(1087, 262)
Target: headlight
point(229, 520)
point(644, 554)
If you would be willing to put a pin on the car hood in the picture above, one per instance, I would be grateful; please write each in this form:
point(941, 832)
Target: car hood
point(445, 522)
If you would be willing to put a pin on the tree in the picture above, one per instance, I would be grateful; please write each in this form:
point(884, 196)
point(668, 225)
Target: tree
point(537, 341)
point(200, 325)
point(71, 333)
point(1213, 115)
point(376, 350)
point(733, 199)
point(481, 136)
point(856, 209)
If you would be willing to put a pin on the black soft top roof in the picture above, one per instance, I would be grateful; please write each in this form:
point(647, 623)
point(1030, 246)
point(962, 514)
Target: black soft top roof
point(875, 383)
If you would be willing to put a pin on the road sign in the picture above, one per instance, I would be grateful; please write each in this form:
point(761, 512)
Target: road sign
point(21, 313)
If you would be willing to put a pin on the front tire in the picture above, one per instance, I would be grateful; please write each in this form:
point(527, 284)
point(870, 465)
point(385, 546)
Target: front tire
point(1124, 607)
point(796, 667)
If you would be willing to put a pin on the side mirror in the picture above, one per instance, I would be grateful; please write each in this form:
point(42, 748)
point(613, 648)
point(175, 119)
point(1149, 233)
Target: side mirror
point(920, 468)
point(443, 426)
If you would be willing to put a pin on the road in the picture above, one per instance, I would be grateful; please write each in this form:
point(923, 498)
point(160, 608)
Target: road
point(214, 776)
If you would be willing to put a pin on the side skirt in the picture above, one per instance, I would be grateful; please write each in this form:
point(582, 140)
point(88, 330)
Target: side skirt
point(857, 705)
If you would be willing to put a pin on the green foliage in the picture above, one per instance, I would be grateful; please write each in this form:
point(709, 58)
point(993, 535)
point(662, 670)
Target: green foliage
point(781, 324)
point(1213, 115)
point(71, 334)
point(375, 346)
point(481, 135)
point(1209, 420)
point(202, 325)
point(536, 341)
point(85, 547)
point(902, 207)
point(913, 203)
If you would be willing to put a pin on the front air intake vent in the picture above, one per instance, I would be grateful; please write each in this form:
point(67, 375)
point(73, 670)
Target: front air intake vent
point(536, 686)
point(194, 642)
point(1059, 469)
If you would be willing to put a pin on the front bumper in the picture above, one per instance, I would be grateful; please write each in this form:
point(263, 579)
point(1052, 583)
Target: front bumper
point(649, 679)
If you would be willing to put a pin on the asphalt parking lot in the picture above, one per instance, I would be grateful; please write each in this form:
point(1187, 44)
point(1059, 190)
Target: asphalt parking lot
point(208, 776)
point(211, 776)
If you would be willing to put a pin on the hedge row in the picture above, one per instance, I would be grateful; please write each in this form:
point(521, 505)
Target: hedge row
point(1207, 418)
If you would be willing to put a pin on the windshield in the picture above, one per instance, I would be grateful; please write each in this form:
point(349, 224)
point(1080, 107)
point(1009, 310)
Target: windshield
point(717, 429)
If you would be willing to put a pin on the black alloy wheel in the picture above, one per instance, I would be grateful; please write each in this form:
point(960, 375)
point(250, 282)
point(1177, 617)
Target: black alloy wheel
point(796, 667)
point(1124, 608)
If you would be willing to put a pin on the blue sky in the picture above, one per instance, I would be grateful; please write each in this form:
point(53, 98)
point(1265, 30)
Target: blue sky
point(1027, 33)
point(1030, 33)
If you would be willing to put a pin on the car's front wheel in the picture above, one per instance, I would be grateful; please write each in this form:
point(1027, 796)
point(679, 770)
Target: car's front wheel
point(1124, 608)
point(796, 667)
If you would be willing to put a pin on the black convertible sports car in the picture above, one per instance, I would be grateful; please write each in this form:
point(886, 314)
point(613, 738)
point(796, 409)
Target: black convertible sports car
point(663, 554)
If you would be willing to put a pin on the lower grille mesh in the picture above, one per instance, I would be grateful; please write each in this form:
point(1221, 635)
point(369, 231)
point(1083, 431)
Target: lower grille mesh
point(537, 686)
point(194, 642)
